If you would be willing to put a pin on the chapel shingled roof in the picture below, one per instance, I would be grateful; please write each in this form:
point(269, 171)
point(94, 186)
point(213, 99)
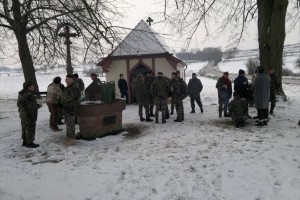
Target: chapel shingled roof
point(142, 40)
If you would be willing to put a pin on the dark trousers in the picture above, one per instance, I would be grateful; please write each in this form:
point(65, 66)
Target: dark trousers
point(53, 109)
point(124, 94)
point(198, 101)
point(146, 106)
point(262, 114)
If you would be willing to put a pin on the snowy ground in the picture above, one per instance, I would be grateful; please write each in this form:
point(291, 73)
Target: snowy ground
point(202, 158)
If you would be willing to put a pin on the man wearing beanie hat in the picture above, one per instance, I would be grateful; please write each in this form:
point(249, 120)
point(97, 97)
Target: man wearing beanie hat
point(28, 111)
point(262, 96)
point(241, 84)
point(194, 89)
point(53, 96)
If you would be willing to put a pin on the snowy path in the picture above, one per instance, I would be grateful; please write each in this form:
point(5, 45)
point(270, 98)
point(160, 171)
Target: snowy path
point(202, 158)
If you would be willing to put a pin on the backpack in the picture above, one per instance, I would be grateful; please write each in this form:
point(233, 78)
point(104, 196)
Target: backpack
point(161, 88)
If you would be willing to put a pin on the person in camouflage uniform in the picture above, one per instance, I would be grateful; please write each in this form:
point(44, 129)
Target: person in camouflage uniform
point(238, 107)
point(178, 89)
point(79, 81)
point(149, 79)
point(168, 82)
point(182, 83)
point(274, 87)
point(160, 91)
point(142, 97)
point(70, 100)
point(28, 111)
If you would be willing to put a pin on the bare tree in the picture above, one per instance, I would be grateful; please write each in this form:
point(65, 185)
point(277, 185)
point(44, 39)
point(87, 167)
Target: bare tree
point(32, 24)
point(235, 15)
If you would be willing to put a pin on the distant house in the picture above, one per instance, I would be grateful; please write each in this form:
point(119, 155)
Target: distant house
point(143, 50)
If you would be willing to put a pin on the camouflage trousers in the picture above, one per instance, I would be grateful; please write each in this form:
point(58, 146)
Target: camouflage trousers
point(179, 107)
point(160, 105)
point(151, 103)
point(28, 130)
point(70, 124)
point(146, 106)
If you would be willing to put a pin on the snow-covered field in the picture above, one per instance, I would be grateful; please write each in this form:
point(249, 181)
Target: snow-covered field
point(202, 158)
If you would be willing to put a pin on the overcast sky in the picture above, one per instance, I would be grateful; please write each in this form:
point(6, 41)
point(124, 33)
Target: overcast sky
point(142, 9)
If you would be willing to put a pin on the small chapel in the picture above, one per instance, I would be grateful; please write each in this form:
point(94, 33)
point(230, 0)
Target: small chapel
point(141, 51)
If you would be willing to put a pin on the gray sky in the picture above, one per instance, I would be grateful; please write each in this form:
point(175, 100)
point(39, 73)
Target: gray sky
point(142, 9)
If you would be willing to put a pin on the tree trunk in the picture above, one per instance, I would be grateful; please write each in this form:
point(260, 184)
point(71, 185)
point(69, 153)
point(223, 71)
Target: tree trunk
point(24, 52)
point(271, 35)
point(26, 59)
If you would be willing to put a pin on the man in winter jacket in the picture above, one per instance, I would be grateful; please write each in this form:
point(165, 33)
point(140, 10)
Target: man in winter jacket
point(142, 97)
point(238, 108)
point(53, 96)
point(262, 96)
point(241, 84)
point(28, 111)
point(122, 84)
point(194, 88)
point(70, 100)
point(224, 87)
point(79, 81)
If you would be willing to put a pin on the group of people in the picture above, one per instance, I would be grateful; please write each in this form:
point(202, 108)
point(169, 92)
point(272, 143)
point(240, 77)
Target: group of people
point(262, 90)
point(61, 101)
point(150, 91)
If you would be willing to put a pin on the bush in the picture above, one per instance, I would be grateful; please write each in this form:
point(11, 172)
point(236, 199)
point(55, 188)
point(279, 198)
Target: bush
point(287, 72)
point(251, 65)
point(297, 65)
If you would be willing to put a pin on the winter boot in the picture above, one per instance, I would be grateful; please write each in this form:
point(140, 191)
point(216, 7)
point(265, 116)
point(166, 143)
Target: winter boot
point(167, 115)
point(259, 123)
point(156, 120)
point(178, 120)
point(237, 123)
point(271, 111)
point(32, 145)
point(142, 118)
point(148, 119)
point(226, 114)
point(69, 142)
point(163, 121)
point(24, 143)
point(193, 111)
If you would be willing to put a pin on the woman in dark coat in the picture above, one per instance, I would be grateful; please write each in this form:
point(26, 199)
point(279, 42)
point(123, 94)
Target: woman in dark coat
point(262, 96)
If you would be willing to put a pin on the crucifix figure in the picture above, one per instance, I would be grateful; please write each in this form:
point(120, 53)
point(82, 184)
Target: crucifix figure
point(149, 20)
point(66, 34)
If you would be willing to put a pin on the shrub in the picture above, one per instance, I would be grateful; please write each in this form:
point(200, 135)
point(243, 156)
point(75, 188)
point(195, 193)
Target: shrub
point(251, 65)
point(287, 72)
point(297, 65)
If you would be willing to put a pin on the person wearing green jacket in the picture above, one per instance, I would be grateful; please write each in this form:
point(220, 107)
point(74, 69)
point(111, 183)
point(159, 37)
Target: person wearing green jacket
point(28, 111)
point(70, 100)
point(142, 95)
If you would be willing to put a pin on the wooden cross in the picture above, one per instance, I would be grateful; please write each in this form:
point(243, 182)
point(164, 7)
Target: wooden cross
point(66, 34)
point(149, 20)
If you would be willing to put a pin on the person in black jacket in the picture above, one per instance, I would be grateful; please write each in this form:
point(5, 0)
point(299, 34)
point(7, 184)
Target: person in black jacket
point(241, 84)
point(194, 88)
point(122, 84)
